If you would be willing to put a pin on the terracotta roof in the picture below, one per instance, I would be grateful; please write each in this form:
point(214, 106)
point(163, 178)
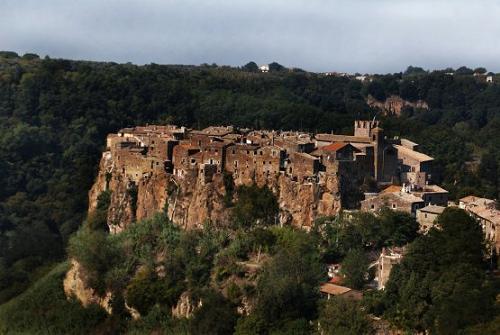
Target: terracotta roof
point(334, 289)
point(336, 146)
point(336, 280)
point(342, 138)
point(392, 189)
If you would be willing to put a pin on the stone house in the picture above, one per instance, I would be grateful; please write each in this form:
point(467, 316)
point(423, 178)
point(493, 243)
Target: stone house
point(339, 151)
point(301, 166)
point(241, 161)
point(484, 211)
point(400, 201)
point(386, 261)
point(431, 194)
point(427, 215)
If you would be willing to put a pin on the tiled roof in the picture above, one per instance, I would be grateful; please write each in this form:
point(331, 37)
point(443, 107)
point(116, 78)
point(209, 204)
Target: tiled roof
point(392, 189)
point(334, 289)
point(336, 146)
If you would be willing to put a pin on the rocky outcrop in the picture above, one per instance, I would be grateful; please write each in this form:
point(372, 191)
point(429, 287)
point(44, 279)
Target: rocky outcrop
point(190, 201)
point(185, 306)
point(74, 286)
point(395, 104)
point(301, 203)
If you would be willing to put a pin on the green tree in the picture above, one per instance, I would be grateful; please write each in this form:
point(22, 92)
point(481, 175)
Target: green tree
point(355, 268)
point(276, 67)
point(440, 284)
point(255, 206)
point(340, 316)
point(216, 316)
point(251, 67)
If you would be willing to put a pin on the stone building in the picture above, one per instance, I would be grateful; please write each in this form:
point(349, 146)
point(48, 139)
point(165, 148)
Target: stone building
point(427, 216)
point(302, 166)
point(386, 261)
point(400, 201)
point(330, 289)
point(484, 211)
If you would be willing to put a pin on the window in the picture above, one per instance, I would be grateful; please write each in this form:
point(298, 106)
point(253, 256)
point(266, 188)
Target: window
point(425, 215)
point(372, 206)
point(394, 206)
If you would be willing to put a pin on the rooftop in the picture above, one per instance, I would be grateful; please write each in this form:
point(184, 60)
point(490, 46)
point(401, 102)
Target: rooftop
point(334, 289)
point(433, 209)
point(336, 146)
point(413, 154)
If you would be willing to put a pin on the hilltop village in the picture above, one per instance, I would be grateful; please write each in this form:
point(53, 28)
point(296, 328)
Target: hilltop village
point(185, 171)
point(312, 174)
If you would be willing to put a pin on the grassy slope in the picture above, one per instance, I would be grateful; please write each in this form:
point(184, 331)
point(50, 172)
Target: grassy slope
point(44, 309)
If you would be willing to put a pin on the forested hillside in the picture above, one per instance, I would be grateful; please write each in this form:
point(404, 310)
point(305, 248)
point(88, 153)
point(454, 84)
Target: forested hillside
point(55, 115)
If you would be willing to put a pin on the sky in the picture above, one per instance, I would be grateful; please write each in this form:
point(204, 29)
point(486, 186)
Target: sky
point(366, 36)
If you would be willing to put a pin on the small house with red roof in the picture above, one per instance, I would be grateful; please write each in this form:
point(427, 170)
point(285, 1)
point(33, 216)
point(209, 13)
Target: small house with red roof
point(339, 151)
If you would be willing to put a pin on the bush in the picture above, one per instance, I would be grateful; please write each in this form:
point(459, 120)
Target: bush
point(255, 206)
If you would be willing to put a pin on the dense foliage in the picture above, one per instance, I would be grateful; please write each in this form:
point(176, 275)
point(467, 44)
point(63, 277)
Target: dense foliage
point(441, 284)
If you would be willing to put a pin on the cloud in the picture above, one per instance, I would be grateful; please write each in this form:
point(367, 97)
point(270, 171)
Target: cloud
point(341, 35)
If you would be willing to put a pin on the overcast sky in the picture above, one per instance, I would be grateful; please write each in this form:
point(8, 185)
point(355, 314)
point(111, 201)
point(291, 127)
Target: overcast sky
point(317, 35)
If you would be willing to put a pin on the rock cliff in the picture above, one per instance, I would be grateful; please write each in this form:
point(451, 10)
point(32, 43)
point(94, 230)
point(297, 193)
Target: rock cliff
point(395, 104)
point(190, 201)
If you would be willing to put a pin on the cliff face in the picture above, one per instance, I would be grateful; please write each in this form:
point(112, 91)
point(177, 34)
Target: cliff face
point(395, 104)
point(74, 286)
point(190, 201)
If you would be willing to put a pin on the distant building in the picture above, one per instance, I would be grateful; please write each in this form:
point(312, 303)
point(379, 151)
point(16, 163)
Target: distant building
point(264, 68)
point(400, 201)
point(484, 211)
point(386, 261)
point(330, 289)
point(473, 201)
point(427, 216)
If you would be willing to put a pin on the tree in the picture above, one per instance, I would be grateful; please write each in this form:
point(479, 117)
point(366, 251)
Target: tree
point(480, 70)
point(376, 90)
point(355, 268)
point(440, 283)
point(255, 206)
point(276, 67)
point(287, 289)
point(215, 317)
point(463, 70)
point(397, 228)
point(251, 67)
point(340, 316)
point(414, 71)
